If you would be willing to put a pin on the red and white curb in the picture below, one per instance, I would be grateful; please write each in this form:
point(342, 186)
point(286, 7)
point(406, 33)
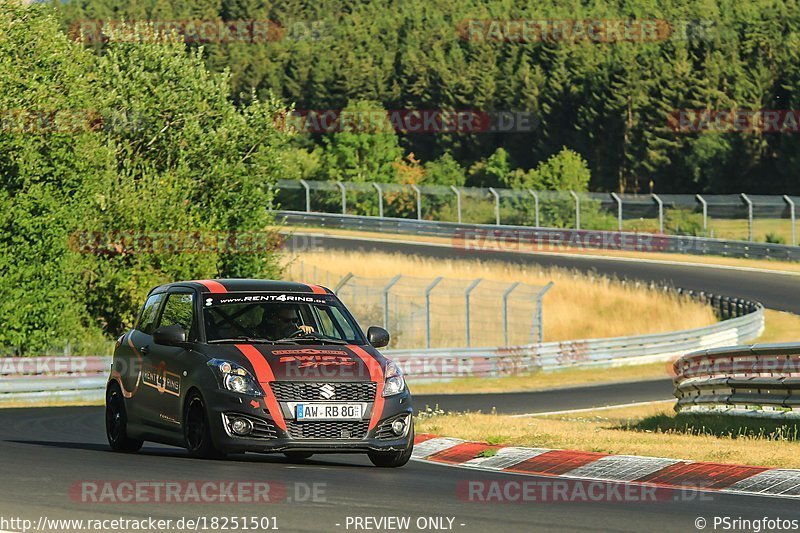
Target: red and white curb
point(592, 466)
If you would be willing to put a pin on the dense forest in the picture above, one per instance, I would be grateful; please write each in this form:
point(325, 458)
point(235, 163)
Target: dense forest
point(611, 97)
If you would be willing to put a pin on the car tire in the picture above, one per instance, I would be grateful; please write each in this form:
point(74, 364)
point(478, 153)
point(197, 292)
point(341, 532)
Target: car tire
point(298, 456)
point(394, 459)
point(197, 429)
point(117, 422)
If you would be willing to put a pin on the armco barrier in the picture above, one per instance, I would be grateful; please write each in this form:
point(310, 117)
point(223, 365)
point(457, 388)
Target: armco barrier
point(475, 238)
point(760, 380)
point(31, 381)
point(42, 380)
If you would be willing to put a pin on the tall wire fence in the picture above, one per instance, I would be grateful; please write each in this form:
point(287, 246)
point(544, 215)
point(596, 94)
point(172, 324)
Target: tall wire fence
point(758, 218)
point(437, 312)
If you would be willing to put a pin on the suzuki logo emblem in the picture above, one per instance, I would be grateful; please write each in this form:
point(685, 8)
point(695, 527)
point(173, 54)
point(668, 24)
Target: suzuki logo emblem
point(327, 391)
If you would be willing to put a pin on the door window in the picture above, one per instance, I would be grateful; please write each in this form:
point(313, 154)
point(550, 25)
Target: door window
point(178, 311)
point(147, 320)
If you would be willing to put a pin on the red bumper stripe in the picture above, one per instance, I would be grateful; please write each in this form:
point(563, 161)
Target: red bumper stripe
point(264, 376)
point(212, 286)
point(376, 375)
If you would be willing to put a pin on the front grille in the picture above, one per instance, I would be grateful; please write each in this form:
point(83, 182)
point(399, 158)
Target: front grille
point(304, 391)
point(262, 429)
point(333, 430)
point(384, 431)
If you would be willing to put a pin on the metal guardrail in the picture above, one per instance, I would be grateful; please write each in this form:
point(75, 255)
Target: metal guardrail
point(449, 363)
point(35, 381)
point(485, 237)
point(761, 380)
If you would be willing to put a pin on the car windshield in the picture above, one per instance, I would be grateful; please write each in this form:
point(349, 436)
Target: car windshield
point(286, 318)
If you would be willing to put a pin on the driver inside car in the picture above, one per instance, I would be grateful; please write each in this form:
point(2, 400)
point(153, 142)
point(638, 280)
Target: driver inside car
point(280, 322)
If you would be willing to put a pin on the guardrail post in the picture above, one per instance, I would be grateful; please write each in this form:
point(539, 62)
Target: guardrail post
point(496, 205)
point(617, 199)
point(749, 217)
point(307, 187)
point(419, 201)
point(660, 212)
point(458, 201)
point(538, 323)
point(386, 290)
point(469, 290)
point(792, 214)
point(577, 210)
point(505, 311)
point(344, 196)
point(428, 290)
point(342, 282)
point(380, 198)
point(705, 212)
point(535, 206)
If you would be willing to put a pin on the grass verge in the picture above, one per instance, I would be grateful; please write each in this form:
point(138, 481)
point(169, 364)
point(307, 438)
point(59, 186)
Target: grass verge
point(652, 430)
point(571, 308)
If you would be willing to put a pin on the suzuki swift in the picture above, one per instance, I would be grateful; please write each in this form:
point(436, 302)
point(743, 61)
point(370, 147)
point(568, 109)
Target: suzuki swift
point(233, 366)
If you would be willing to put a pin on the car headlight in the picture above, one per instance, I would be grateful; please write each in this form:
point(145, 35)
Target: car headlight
point(393, 383)
point(235, 378)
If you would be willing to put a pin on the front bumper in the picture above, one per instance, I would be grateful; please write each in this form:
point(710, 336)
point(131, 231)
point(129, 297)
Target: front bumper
point(273, 439)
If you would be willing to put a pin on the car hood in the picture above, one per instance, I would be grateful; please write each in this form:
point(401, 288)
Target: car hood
point(305, 362)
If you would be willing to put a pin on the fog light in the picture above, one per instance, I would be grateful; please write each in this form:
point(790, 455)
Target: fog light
point(241, 426)
point(399, 426)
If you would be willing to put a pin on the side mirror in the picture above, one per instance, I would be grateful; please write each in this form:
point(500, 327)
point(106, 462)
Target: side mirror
point(378, 337)
point(170, 335)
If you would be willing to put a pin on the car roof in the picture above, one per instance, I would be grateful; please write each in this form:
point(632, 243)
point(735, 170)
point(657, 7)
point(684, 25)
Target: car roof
point(244, 285)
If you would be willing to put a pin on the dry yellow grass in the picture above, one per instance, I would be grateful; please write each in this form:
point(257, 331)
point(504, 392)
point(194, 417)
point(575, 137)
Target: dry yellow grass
point(615, 432)
point(760, 264)
point(578, 307)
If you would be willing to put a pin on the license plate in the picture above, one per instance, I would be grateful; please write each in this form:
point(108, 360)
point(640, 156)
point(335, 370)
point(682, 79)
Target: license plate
point(329, 411)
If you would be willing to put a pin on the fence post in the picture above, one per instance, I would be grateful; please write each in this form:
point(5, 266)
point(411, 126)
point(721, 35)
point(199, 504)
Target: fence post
point(617, 199)
point(466, 298)
point(793, 217)
point(749, 216)
point(419, 201)
point(458, 201)
point(496, 205)
point(307, 187)
point(380, 198)
point(705, 212)
point(535, 206)
point(539, 320)
point(428, 290)
point(344, 196)
point(577, 210)
point(505, 311)
point(660, 212)
point(386, 290)
point(342, 282)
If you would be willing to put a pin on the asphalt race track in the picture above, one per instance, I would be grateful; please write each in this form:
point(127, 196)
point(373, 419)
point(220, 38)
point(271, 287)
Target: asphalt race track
point(47, 452)
point(548, 401)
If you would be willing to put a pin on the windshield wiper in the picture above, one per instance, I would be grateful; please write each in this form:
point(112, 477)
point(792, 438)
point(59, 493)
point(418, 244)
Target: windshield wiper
point(313, 337)
point(255, 340)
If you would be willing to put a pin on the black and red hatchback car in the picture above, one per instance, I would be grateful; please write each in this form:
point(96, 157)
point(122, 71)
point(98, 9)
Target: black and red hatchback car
point(232, 366)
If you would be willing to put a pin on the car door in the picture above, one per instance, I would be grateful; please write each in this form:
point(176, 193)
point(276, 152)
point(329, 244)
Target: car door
point(133, 356)
point(167, 366)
